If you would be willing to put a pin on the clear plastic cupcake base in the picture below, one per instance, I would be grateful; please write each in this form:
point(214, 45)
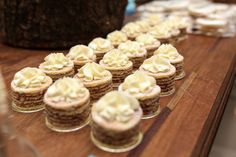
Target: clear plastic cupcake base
point(148, 116)
point(66, 129)
point(163, 94)
point(27, 109)
point(116, 149)
point(180, 76)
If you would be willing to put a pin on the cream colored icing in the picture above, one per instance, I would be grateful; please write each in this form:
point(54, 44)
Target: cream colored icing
point(117, 106)
point(156, 64)
point(160, 32)
point(168, 51)
point(139, 82)
point(144, 25)
point(117, 37)
point(131, 29)
point(66, 90)
point(130, 48)
point(81, 53)
point(146, 39)
point(92, 71)
point(56, 61)
point(154, 19)
point(178, 22)
point(100, 44)
point(29, 78)
point(115, 58)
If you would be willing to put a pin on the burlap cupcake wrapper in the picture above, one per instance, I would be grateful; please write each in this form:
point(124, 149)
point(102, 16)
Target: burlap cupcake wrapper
point(137, 61)
point(167, 85)
point(113, 138)
point(27, 102)
point(150, 107)
point(99, 56)
point(57, 76)
point(179, 70)
point(67, 120)
point(100, 90)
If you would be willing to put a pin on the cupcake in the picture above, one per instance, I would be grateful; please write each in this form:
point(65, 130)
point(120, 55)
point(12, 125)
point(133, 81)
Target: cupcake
point(173, 29)
point(212, 26)
point(144, 25)
point(67, 105)
point(56, 66)
point(115, 121)
point(96, 78)
point(80, 55)
point(100, 47)
point(182, 24)
point(164, 73)
point(154, 19)
point(170, 52)
point(149, 43)
point(144, 89)
point(132, 30)
point(27, 89)
point(134, 51)
point(118, 64)
point(161, 33)
point(117, 37)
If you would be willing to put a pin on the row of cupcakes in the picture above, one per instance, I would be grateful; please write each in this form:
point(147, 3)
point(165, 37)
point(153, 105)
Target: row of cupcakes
point(166, 30)
point(116, 116)
point(166, 65)
point(67, 102)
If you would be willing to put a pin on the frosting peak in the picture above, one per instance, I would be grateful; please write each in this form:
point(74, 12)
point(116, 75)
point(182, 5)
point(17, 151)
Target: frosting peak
point(66, 90)
point(100, 44)
point(115, 58)
point(92, 71)
point(144, 25)
point(146, 39)
point(29, 78)
point(117, 106)
point(137, 83)
point(156, 64)
point(81, 52)
point(117, 37)
point(131, 29)
point(130, 48)
point(154, 19)
point(160, 32)
point(56, 61)
point(168, 51)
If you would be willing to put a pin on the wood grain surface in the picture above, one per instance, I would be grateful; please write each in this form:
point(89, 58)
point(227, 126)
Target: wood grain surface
point(186, 131)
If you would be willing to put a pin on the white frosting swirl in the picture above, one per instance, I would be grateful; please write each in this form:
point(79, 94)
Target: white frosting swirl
point(81, 53)
point(146, 39)
point(92, 71)
point(117, 37)
point(100, 44)
point(29, 78)
point(178, 22)
point(66, 90)
point(131, 29)
point(144, 25)
point(154, 19)
point(115, 58)
point(160, 32)
point(137, 83)
point(156, 64)
point(168, 51)
point(117, 106)
point(130, 48)
point(56, 61)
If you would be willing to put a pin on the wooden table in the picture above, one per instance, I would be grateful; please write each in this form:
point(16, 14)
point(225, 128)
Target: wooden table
point(187, 131)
